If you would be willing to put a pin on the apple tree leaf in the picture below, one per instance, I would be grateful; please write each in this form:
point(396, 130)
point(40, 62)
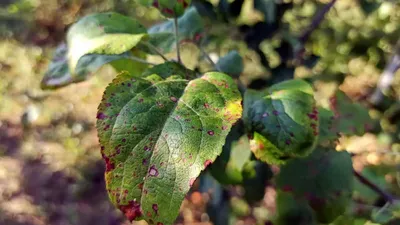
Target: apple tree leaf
point(157, 135)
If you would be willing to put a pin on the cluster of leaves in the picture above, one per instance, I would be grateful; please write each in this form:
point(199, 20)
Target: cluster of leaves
point(161, 126)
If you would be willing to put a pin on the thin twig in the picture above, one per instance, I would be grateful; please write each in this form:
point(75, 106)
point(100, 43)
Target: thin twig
point(387, 77)
point(155, 50)
point(316, 21)
point(178, 52)
point(388, 197)
point(140, 60)
point(208, 58)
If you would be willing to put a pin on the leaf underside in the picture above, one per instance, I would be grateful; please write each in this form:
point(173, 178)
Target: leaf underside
point(157, 135)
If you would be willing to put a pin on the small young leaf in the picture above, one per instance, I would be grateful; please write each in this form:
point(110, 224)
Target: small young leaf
point(58, 74)
point(102, 33)
point(324, 179)
point(190, 27)
point(157, 135)
point(231, 63)
point(287, 118)
point(351, 118)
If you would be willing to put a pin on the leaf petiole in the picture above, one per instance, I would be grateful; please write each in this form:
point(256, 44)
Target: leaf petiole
point(178, 53)
point(155, 50)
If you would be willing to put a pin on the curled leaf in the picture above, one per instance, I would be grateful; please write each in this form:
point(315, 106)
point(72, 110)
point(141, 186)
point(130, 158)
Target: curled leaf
point(284, 120)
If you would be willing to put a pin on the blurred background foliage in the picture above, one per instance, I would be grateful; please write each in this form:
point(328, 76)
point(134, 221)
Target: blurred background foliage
point(51, 171)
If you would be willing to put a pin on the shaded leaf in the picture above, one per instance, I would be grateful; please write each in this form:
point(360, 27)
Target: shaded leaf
point(157, 135)
point(284, 120)
point(102, 33)
point(326, 120)
point(227, 169)
point(324, 179)
point(268, 8)
point(351, 118)
point(190, 27)
point(58, 74)
point(256, 175)
point(231, 63)
point(293, 211)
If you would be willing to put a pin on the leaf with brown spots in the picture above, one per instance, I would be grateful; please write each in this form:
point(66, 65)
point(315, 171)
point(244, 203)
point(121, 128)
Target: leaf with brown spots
point(157, 136)
point(284, 120)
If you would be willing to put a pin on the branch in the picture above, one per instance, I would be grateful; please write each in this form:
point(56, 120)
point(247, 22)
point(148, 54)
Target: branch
point(387, 77)
point(178, 52)
point(155, 50)
point(314, 24)
point(387, 196)
point(140, 60)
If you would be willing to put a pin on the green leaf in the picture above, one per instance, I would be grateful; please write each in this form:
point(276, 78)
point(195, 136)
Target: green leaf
point(324, 179)
point(326, 120)
point(284, 120)
point(190, 27)
point(231, 63)
point(102, 33)
point(291, 210)
point(58, 74)
point(157, 135)
point(268, 8)
point(167, 69)
point(129, 65)
point(172, 8)
point(227, 169)
point(256, 175)
point(351, 118)
point(361, 191)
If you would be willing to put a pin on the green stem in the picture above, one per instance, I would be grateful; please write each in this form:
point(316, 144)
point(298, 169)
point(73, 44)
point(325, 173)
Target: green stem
point(209, 58)
point(178, 53)
point(140, 60)
point(155, 50)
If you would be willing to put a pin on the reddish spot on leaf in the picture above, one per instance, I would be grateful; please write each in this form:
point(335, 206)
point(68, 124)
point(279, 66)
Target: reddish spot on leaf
point(287, 188)
point(210, 132)
point(140, 186)
point(191, 181)
point(275, 112)
point(287, 142)
point(224, 127)
point(207, 163)
point(123, 140)
point(101, 116)
point(144, 161)
point(265, 115)
point(132, 210)
point(159, 223)
point(174, 99)
point(153, 171)
point(155, 208)
point(140, 100)
point(109, 165)
point(206, 105)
